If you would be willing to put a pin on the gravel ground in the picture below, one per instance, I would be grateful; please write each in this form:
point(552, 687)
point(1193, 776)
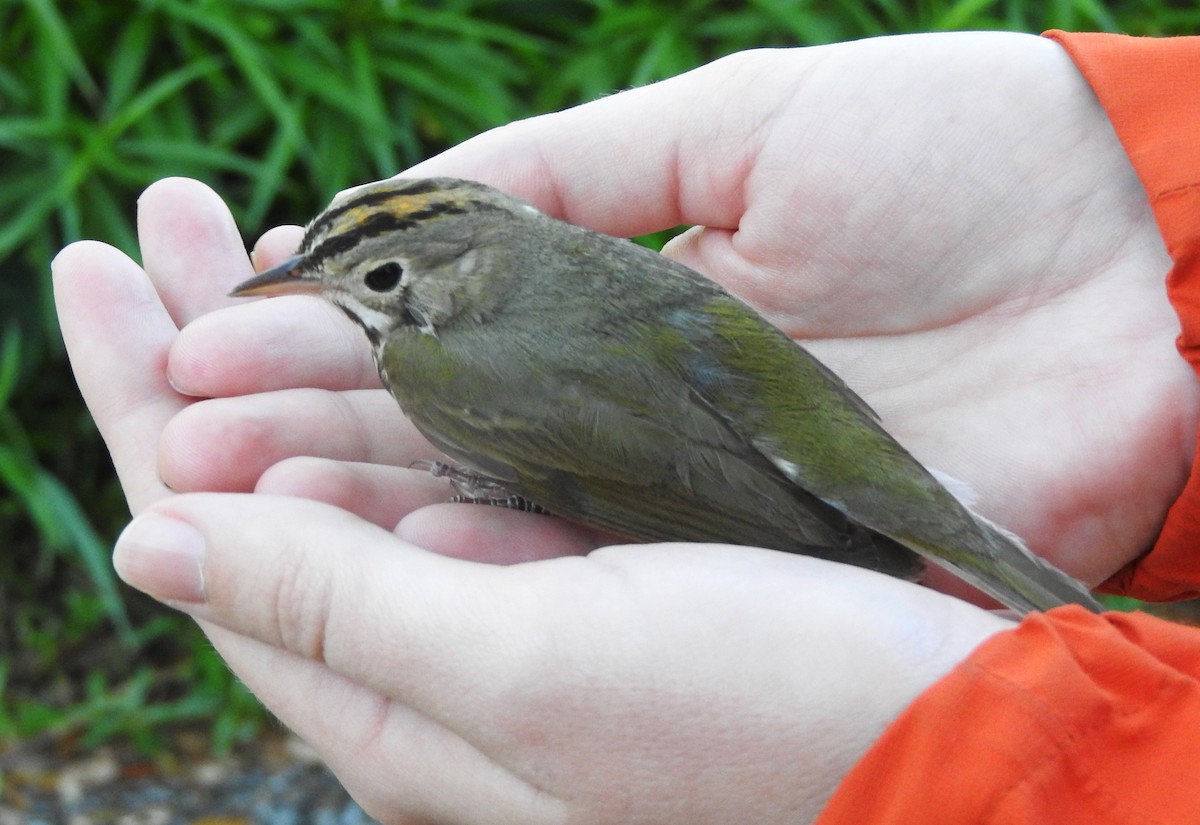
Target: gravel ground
point(278, 782)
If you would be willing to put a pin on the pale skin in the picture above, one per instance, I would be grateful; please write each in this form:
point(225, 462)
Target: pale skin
point(948, 219)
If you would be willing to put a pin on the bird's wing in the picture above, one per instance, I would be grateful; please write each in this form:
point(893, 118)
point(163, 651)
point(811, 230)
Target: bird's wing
point(640, 453)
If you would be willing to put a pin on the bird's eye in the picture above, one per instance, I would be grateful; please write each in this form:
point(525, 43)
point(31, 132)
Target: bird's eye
point(384, 278)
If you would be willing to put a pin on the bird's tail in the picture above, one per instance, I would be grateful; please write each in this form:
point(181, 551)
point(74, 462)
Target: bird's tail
point(1000, 564)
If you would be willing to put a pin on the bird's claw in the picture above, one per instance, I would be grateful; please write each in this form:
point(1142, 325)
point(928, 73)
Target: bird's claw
point(472, 488)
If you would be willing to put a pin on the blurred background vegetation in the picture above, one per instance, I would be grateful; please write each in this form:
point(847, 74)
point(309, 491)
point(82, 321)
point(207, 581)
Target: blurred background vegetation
point(278, 104)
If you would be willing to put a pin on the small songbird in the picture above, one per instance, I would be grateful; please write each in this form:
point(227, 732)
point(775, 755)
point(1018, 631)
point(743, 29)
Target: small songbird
point(617, 388)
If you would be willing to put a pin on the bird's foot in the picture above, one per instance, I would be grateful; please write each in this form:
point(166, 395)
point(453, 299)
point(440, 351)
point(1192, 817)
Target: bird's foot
point(472, 488)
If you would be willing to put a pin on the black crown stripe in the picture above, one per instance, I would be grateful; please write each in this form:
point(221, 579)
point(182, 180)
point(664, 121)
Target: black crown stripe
point(378, 197)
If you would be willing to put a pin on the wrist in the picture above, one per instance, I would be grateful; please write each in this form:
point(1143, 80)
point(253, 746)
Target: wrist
point(1142, 84)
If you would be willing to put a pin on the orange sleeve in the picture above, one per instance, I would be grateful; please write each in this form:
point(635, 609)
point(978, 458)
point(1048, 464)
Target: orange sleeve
point(1073, 717)
point(1150, 89)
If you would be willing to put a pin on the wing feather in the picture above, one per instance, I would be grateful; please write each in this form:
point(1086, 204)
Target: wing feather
point(646, 456)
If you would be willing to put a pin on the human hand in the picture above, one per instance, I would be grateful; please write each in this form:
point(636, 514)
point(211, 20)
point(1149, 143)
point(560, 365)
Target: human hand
point(947, 220)
point(640, 684)
point(666, 683)
point(961, 227)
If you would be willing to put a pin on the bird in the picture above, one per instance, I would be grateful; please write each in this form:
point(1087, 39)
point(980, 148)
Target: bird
point(609, 385)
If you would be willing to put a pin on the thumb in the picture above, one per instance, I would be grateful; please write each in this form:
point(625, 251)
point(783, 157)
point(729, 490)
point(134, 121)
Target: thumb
point(320, 583)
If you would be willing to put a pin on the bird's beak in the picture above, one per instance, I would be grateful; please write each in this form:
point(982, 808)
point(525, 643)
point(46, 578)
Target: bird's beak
point(289, 278)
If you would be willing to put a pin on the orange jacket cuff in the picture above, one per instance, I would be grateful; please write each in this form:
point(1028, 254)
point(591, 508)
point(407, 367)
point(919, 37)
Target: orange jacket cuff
point(1150, 89)
point(1071, 717)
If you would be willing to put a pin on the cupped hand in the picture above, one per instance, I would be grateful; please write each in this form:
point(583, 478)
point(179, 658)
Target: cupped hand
point(644, 684)
point(671, 683)
point(950, 223)
point(947, 220)
point(120, 322)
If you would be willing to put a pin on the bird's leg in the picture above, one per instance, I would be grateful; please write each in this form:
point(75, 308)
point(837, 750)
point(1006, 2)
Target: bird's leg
point(472, 488)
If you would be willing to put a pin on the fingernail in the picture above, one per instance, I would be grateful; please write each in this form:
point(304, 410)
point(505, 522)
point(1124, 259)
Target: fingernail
point(162, 557)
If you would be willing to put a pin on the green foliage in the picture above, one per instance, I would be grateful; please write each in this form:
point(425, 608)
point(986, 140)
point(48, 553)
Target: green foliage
point(140, 702)
point(277, 104)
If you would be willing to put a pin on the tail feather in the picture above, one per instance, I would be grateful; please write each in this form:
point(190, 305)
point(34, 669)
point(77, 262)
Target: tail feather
point(1007, 570)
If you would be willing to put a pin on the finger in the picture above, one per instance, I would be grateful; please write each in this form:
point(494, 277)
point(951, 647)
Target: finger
point(275, 246)
point(191, 248)
point(379, 494)
point(600, 166)
point(260, 346)
point(395, 761)
point(401, 498)
point(320, 583)
point(551, 658)
point(117, 334)
point(226, 444)
point(494, 535)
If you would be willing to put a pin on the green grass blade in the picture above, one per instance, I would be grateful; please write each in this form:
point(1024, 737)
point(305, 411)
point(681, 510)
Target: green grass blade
point(252, 60)
point(960, 15)
point(10, 363)
point(58, 516)
point(160, 90)
point(58, 33)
